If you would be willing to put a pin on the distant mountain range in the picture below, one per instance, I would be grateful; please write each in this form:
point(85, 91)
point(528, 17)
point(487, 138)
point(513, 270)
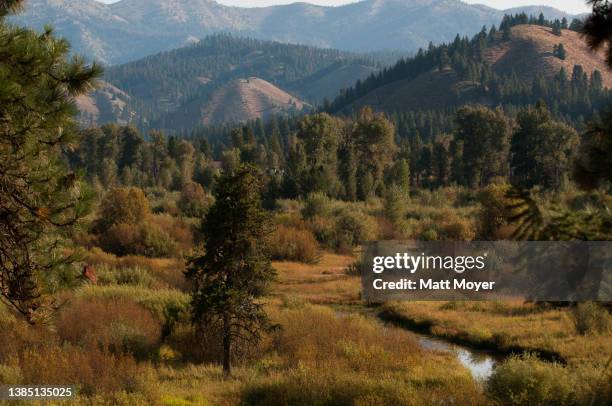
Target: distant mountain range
point(221, 79)
point(131, 29)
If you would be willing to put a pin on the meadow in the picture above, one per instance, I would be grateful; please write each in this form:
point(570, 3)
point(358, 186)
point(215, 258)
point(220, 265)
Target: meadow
point(128, 339)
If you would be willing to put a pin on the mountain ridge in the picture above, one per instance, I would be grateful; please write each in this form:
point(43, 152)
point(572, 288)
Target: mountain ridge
point(162, 89)
point(131, 29)
point(527, 55)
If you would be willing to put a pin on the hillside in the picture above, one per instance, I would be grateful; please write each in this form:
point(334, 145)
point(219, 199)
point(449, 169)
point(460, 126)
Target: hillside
point(531, 49)
point(181, 83)
point(107, 103)
point(235, 102)
point(132, 29)
point(525, 56)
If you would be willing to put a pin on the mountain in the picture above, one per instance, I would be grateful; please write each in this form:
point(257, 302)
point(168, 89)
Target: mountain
point(518, 66)
point(221, 79)
point(238, 101)
point(132, 29)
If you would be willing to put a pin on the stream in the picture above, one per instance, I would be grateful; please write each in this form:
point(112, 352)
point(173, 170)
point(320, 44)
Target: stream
point(480, 363)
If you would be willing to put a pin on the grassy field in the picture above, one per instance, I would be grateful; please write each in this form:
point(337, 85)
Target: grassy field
point(128, 341)
point(507, 326)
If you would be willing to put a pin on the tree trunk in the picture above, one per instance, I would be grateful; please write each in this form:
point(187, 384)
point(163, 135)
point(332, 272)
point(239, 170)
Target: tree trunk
point(227, 343)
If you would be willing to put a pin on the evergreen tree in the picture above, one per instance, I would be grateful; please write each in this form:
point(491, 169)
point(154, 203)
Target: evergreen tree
point(320, 134)
point(556, 28)
point(485, 137)
point(40, 199)
point(597, 27)
point(542, 149)
point(375, 148)
point(235, 270)
point(560, 52)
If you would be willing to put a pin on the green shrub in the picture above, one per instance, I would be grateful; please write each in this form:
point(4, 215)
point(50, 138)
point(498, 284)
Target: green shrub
point(395, 205)
point(156, 242)
point(136, 276)
point(323, 230)
point(528, 381)
point(292, 244)
point(122, 206)
point(591, 318)
point(353, 228)
point(429, 234)
point(316, 204)
point(138, 239)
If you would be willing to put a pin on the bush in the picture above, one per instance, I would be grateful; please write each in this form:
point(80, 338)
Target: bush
point(124, 276)
point(316, 204)
point(323, 230)
point(494, 213)
point(17, 335)
point(292, 244)
point(122, 206)
point(168, 305)
point(590, 318)
point(117, 325)
point(138, 239)
point(156, 242)
point(179, 230)
point(194, 202)
point(395, 205)
point(353, 228)
point(528, 381)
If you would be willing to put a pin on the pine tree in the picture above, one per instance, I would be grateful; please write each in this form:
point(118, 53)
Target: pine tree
point(235, 271)
point(597, 27)
point(560, 52)
point(40, 200)
point(556, 28)
point(485, 137)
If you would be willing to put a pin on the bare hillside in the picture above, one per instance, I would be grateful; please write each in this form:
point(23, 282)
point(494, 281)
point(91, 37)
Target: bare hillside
point(107, 103)
point(245, 99)
point(530, 51)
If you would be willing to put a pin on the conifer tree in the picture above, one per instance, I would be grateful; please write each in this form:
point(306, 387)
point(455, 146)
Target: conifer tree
point(234, 273)
point(40, 200)
point(485, 137)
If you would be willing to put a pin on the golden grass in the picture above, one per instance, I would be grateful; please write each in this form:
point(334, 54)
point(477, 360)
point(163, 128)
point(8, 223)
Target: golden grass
point(507, 325)
point(168, 271)
point(324, 283)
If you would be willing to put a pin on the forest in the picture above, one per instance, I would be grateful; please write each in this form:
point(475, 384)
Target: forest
point(220, 265)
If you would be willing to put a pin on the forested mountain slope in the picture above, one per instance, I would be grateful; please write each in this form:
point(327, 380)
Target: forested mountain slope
point(204, 82)
point(517, 65)
point(131, 29)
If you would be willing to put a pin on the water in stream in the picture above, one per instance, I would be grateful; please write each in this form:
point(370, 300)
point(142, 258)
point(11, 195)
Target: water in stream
point(480, 363)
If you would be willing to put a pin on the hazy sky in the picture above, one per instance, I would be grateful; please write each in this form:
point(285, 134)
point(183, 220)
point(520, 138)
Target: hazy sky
point(570, 6)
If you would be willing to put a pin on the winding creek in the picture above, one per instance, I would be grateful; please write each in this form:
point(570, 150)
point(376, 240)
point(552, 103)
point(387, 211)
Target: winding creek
point(479, 363)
